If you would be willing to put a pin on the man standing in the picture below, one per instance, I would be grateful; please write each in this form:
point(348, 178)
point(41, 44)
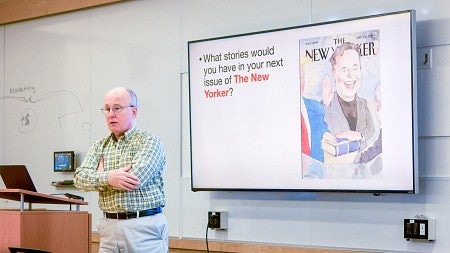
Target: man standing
point(347, 115)
point(126, 169)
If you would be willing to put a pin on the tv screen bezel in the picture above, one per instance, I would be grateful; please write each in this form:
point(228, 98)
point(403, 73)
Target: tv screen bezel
point(413, 90)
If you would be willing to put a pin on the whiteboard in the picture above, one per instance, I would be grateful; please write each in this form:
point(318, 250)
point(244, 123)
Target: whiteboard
point(2, 73)
point(57, 72)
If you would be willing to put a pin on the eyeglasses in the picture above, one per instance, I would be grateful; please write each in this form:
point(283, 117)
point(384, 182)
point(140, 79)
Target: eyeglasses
point(115, 109)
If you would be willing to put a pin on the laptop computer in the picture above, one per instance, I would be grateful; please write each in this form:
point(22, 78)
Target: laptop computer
point(17, 177)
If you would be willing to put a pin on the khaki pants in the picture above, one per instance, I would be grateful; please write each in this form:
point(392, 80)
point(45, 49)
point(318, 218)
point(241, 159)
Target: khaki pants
point(139, 235)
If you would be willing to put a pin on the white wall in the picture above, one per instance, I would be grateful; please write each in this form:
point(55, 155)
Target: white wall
point(2, 74)
point(143, 44)
point(2, 106)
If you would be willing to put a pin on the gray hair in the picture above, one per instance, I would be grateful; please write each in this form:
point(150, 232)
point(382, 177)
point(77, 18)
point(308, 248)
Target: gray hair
point(133, 98)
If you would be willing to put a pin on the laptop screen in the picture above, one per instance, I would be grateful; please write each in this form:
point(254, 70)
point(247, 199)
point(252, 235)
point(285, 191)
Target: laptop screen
point(17, 177)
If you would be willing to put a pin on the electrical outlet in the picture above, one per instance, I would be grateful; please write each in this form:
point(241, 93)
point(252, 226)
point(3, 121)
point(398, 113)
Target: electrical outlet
point(218, 220)
point(419, 229)
point(424, 58)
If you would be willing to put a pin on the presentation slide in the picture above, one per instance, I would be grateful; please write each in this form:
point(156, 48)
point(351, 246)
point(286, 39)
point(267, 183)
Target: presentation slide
point(322, 107)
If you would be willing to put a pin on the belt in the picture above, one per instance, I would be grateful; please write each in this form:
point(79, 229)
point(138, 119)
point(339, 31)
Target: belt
point(131, 215)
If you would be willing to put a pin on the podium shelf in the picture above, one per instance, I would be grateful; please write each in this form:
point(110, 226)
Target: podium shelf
point(24, 196)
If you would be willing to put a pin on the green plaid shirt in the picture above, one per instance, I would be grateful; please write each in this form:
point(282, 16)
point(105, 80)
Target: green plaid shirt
point(137, 147)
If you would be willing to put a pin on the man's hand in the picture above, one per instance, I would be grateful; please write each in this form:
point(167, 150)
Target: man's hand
point(351, 135)
point(122, 179)
point(329, 137)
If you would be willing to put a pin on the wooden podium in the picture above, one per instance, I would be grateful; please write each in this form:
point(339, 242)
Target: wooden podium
point(52, 230)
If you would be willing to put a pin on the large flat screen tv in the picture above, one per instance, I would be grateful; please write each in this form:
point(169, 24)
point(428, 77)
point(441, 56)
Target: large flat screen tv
point(320, 107)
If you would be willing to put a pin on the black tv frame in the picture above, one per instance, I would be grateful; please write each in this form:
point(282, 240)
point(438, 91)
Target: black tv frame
point(412, 137)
